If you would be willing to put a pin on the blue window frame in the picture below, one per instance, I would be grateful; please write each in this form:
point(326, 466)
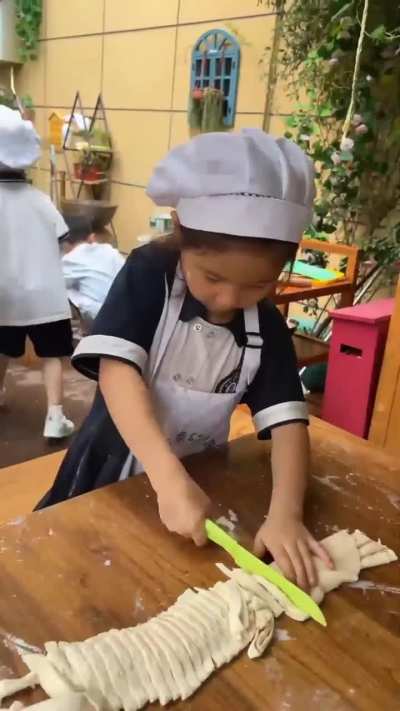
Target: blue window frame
point(216, 63)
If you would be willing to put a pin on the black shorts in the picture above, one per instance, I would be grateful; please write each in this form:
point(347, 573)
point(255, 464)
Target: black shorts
point(50, 340)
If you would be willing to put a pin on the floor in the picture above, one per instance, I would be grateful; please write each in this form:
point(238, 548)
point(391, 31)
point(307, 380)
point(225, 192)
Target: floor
point(21, 421)
point(21, 440)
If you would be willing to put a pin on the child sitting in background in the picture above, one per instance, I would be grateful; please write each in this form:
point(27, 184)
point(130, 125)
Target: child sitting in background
point(33, 298)
point(89, 264)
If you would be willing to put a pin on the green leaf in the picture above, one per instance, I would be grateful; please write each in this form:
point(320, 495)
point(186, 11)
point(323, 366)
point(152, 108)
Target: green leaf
point(325, 110)
point(379, 33)
point(346, 156)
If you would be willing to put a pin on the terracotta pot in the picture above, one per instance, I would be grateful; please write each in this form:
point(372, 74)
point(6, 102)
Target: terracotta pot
point(29, 115)
point(88, 174)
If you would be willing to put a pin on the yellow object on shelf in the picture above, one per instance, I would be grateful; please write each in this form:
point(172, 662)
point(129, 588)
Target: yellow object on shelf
point(56, 123)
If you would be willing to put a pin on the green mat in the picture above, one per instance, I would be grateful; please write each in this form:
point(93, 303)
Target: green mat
point(311, 272)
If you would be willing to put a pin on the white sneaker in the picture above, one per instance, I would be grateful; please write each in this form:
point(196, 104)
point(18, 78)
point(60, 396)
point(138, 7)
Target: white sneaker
point(58, 427)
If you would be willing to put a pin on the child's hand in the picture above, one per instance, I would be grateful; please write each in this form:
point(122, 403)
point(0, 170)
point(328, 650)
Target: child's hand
point(183, 506)
point(292, 547)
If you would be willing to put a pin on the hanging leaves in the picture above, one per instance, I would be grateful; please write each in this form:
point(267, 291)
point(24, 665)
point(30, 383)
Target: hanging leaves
point(28, 22)
point(358, 181)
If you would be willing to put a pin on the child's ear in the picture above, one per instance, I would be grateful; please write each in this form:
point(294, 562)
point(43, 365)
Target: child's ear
point(92, 238)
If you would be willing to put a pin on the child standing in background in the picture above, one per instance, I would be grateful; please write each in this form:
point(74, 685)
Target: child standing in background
point(187, 333)
point(33, 298)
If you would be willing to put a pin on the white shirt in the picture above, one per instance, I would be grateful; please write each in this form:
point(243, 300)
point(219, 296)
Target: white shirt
point(89, 270)
point(32, 289)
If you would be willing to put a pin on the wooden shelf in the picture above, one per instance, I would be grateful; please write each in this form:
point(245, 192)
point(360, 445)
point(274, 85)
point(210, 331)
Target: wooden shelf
point(90, 182)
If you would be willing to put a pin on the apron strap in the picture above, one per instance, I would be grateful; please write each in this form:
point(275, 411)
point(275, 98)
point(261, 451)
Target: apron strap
point(254, 344)
point(179, 285)
point(171, 312)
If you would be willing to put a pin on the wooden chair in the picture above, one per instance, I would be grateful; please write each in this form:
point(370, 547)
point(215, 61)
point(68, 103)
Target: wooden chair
point(310, 350)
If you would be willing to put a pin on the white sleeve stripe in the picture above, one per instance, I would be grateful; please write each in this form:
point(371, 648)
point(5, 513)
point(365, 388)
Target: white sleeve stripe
point(99, 346)
point(283, 412)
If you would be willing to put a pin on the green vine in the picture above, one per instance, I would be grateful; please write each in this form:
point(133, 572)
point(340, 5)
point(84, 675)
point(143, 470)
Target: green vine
point(358, 177)
point(29, 18)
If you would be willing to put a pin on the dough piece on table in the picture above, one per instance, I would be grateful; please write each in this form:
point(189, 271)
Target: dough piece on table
point(189, 627)
point(50, 679)
point(251, 584)
point(158, 674)
point(169, 656)
point(183, 651)
point(184, 685)
point(106, 668)
point(214, 622)
point(135, 684)
point(59, 660)
point(187, 638)
point(371, 552)
point(69, 702)
point(87, 675)
point(211, 643)
point(237, 604)
point(265, 625)
point(9, 687)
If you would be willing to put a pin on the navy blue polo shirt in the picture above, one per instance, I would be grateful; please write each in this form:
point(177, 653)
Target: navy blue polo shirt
point(127, 323)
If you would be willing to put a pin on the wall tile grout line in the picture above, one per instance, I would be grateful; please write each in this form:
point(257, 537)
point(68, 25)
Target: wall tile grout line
point(125, 183)
point(147, 110)
point(171, 112)
point(158, 27)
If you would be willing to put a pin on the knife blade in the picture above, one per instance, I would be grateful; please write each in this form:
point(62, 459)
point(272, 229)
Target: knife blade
point(249, 562)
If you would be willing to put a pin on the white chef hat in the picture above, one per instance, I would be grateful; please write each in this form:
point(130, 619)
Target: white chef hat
point(19, 142)
point(246, 184)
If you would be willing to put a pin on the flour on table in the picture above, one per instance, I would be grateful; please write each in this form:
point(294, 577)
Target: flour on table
point(282, 636)
point(170, 656)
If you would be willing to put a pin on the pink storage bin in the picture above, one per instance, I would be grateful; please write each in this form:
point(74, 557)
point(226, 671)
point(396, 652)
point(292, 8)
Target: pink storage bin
point(355, 358)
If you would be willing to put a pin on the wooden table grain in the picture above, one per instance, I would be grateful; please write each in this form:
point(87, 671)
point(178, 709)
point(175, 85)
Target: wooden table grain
point(104, 560)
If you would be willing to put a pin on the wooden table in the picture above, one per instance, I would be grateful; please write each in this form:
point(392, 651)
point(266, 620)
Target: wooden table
point(104, 560)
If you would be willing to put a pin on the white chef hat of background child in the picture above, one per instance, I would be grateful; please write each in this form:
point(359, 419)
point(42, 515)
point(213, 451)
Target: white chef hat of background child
point(19, 142)
point(248, 184)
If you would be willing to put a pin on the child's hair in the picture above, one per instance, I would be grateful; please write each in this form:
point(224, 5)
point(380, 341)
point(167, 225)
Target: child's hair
point(103, 235)
point(80, 228)
point(197, 239)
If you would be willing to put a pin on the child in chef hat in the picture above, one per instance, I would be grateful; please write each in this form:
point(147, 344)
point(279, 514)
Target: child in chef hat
point(188, 332)
point(33, 298)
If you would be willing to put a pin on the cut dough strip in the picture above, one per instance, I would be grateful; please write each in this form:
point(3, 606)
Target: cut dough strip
point(169, 657)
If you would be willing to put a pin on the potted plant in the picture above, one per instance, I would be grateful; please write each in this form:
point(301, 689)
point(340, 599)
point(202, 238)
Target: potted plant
point(95, 155)
point(25, 105)
point(206, 112)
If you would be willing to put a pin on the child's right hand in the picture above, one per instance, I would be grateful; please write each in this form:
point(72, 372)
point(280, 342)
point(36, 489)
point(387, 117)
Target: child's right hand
point(183, 506)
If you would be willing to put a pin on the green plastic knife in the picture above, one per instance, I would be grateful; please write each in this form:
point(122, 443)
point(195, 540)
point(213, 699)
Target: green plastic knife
point(252, 564)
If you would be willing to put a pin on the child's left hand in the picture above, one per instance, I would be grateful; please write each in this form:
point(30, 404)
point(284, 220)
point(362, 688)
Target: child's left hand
point(292, 547)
